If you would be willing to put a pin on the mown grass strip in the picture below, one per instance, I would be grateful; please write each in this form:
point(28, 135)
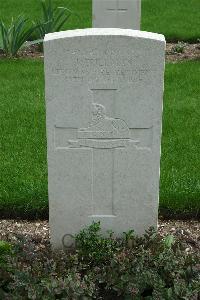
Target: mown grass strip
point(180, 161)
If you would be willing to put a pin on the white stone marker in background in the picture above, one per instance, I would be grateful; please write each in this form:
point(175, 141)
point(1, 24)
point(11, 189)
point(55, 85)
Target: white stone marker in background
point(116, 14)
point(104, 90)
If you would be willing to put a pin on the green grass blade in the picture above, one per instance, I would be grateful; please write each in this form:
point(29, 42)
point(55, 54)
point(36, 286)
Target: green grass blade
point(44, 10)
point(50, 10)
point(17, 32)
point(5, 40)
point(24, 36)
point(59, 17)
point(59, 26)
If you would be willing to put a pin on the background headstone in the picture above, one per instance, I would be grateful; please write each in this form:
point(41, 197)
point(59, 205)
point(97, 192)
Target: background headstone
point(104, 90)
point(116, 14)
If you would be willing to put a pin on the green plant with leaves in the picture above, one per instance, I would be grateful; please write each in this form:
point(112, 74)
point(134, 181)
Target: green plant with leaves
point(5, 249)
point(5, 272)
point(179, 48)
point(53, 18)
point(103, 267)
point(92, 246)
point(14, 36)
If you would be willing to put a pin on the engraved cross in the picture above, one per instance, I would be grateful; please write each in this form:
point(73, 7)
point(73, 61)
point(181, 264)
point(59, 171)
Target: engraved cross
point(108, 134)
point(117, 9)
point(105, 133)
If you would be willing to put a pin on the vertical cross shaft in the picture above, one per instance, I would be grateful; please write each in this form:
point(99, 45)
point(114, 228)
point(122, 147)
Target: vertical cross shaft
point(103, 162)
point(102, 180)
point(117, 9)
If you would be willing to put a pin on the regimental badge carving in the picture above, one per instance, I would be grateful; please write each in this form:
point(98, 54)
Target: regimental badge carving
point(103, 131)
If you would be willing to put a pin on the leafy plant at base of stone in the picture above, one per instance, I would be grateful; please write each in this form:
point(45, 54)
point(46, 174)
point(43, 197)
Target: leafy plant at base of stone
point(53, 18)
point(13, 37)
point(150, 267)
point(5, 248)
point(179, 48)
point(93, 246)
point(5, 274)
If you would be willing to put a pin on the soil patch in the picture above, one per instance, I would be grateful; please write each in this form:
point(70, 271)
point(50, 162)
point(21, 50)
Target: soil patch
point(36, 233)
point(175, 52)
point(33, 51)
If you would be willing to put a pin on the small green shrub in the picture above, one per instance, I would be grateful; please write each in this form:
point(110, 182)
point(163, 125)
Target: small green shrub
point(13, 37)
point(151, 267)
point(93, 247)
point(5, 274)
point(53, 18)
point(5, 249)
point(179, 48)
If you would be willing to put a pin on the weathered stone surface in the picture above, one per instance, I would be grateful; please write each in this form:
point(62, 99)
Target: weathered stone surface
point(104, 90)
point(116, 14)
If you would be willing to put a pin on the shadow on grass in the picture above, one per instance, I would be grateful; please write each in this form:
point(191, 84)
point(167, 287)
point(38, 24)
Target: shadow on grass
point(43, 214)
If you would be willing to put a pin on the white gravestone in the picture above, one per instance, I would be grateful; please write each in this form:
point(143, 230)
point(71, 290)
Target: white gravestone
point(116, 14)
point(104, 90)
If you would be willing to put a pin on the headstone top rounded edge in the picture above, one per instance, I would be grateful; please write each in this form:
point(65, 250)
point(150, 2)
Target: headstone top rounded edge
point(104, 32)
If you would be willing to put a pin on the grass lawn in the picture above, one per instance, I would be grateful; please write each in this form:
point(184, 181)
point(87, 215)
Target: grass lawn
point(176, 19)
point(23, 166)
point(180, 161)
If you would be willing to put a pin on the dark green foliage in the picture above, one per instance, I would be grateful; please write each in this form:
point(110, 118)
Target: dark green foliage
point(5, 272)
point(150, 267)
point(92, 246)
point(5, 248)
point(15, 35)
point(53, 18)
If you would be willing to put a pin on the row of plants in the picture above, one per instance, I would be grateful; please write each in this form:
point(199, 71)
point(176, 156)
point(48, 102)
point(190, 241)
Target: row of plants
point(99, 267)
point(16, 35)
